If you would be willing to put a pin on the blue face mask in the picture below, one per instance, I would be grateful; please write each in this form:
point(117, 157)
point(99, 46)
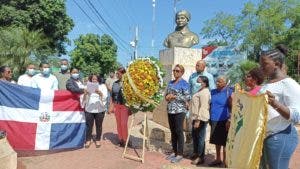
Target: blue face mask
point(30, 72)
point(46, 71)
point(75, 76)
point(64, 67)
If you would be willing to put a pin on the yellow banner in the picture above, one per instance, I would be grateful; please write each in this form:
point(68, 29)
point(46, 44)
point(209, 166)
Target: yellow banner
point(247, 131)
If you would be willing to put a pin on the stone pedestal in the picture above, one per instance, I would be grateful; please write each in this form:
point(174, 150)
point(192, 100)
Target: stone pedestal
point(184, 56)
point(169, 58)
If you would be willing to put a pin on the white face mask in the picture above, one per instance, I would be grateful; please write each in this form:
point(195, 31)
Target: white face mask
point(31, 72)
point(75, 76)
point(46, 71)
point(64, 67)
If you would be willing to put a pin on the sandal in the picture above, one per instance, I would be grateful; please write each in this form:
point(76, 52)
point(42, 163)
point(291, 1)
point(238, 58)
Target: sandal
point(177, 159)
point(171, 156)
point(98, 144)
point(87, 144)
point(215, 163)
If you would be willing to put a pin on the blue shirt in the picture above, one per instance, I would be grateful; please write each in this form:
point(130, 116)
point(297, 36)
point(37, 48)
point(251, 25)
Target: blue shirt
point(195, 86)
point(181, 90)
point(219, 106)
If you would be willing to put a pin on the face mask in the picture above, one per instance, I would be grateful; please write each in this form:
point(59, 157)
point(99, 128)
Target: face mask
point(46, 71)
point(64, 67)
point(75, 76)
point(199, 85)
point(30, 72)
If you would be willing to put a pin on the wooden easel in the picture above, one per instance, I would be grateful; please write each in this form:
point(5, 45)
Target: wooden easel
point(145, 138)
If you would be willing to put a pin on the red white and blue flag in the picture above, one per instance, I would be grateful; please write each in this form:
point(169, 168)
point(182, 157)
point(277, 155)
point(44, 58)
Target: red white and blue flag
point(37, 119)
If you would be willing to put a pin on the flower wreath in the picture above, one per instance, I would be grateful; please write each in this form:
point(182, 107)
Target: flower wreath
point(143, 84)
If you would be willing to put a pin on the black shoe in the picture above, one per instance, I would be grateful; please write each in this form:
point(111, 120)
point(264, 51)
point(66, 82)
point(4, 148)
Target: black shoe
point(215, 163)
point(122, 144)
point(194, 156)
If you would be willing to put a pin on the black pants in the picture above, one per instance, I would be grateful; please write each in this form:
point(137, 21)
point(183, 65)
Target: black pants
point(90, 118)
point(176, 127)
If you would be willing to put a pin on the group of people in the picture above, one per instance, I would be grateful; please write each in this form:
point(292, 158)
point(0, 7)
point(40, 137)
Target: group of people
point(211, 104)
point(207, 102)
point(96, 101)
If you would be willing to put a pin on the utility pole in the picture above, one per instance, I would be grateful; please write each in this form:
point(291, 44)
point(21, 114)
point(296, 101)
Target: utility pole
point(134, 43)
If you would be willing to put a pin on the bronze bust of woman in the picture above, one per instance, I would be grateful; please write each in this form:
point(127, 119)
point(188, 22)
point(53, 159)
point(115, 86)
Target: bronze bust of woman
point(182, 36)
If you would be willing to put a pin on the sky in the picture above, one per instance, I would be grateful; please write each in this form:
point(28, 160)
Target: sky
point(121, 17)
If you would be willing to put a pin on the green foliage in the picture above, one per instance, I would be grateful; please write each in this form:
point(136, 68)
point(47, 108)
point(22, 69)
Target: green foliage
point(222, 27)
point(47, 16)
point(259, 27)
point(19, 47)
point(237, 73)
point(94, 54)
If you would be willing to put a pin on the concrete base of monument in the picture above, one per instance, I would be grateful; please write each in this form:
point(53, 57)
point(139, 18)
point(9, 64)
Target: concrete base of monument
point(160, 139)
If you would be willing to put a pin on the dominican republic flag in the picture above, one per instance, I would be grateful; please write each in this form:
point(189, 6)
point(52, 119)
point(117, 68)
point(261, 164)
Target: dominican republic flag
point(37, 119)
point(207, 50)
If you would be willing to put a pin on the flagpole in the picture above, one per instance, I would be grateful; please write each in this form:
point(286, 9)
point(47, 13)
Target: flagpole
point(174, 8)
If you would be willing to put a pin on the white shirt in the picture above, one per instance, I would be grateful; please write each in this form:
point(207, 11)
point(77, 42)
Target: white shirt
point(25, 80)
point(42, 82)
point(94, 103)
point(287, 92)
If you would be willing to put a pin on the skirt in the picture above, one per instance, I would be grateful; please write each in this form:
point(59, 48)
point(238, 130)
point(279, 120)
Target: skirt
point(218, 133)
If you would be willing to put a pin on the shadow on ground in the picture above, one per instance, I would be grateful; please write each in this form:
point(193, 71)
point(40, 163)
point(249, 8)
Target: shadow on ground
point(31, 153)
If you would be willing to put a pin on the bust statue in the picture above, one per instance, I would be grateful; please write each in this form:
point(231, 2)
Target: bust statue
point(182, 36)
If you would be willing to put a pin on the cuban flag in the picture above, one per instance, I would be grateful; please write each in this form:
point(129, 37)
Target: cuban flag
point(37, 119)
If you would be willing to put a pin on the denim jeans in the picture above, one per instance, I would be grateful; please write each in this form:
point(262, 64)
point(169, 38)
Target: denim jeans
point(278, 149)
point(108, 100)
point(198, 135)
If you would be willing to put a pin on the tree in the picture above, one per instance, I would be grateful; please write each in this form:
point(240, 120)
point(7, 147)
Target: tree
point(47, 16)
point(94, 54)
point(239, 71)
point(259, 27)
point(19, 46)
point(268, 27)
point(222, 27)
point(293, 42)
point(109, 54)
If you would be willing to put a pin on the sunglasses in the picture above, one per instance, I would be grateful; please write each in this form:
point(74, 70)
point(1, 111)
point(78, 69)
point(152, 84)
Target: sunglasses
point(177, 71)
point(9, 72)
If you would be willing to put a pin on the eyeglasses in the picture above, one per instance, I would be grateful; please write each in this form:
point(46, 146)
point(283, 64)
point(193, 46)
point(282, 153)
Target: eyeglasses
point(9, 72)
point(175, 70)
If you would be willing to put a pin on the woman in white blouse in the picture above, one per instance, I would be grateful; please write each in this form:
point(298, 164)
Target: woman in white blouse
point(94, 103)
point(283, 111)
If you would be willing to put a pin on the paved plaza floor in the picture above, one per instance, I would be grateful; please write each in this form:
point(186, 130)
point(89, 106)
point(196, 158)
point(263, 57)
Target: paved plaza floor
point(109, 155)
